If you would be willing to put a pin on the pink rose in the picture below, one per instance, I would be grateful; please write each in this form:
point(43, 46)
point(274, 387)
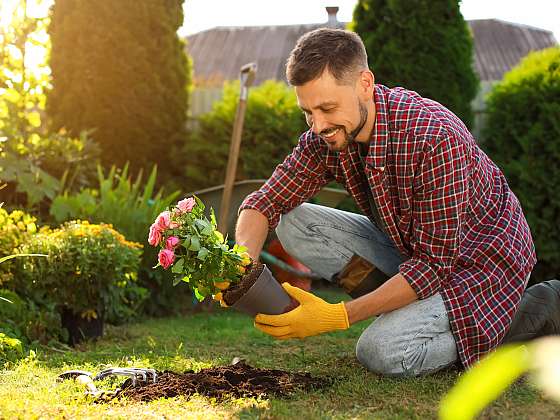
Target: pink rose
point(163, 220)
point(171, 242)
point(166, 258)
point(154, 237)
point(186, 205)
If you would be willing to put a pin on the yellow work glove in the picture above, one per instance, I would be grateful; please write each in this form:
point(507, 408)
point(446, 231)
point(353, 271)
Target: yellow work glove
point(313, 316)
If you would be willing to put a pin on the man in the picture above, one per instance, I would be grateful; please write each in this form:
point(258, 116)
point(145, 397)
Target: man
point(444, 255)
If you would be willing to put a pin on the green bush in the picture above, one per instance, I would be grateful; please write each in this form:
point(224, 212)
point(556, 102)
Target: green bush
point(131, 207)
point(37, 167)
point(273, 123)
point(11, 349)
point(16, 228)
point(522, 135)
point(90, 269)
point(423, 45)
point(27, 321)
point(119, 68)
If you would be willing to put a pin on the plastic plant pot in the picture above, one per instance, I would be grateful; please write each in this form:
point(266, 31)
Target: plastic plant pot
point(266, 296)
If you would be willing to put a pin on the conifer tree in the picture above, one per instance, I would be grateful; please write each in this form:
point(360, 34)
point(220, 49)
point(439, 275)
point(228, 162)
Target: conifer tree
point(119, 69)
point(422, 45)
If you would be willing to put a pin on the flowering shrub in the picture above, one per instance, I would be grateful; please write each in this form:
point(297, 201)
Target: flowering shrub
point(90, 268)
point(11, 349)
point(195, 250)
point(15, 228)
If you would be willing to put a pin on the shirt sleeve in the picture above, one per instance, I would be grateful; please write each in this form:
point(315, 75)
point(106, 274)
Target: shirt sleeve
point(302, 174)
point(440, 202)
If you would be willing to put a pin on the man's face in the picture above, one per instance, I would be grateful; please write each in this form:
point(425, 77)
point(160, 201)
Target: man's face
point(336, 112)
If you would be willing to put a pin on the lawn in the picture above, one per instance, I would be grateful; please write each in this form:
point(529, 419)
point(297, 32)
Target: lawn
point(30, 390)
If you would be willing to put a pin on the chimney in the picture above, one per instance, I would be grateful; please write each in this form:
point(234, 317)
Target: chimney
point(333, 21)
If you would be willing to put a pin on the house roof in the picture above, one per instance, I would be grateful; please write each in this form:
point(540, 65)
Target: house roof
point(219, 53)
point(500, 45)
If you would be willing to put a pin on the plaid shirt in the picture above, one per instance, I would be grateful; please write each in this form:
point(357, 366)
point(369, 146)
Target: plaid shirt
point(443, 202)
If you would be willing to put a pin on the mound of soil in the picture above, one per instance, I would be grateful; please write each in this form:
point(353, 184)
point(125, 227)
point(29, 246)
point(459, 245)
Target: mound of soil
point(239, 380)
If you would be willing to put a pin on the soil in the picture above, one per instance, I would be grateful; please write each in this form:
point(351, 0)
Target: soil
point(235, 291)
point(238, 380)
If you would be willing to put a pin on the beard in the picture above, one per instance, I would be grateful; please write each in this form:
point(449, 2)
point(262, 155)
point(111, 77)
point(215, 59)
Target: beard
point(349, 137)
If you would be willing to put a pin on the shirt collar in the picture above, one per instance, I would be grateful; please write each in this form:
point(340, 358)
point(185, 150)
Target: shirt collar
point(378, 140)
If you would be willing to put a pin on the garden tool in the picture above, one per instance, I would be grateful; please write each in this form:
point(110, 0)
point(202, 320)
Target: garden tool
point(247, 76)
point(87, 379)
point(359, 277)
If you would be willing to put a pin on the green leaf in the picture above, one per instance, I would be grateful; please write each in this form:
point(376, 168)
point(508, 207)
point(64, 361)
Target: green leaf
point(195, 244)
point(485, 382)
point(9, 257)
point(198, 295)
point(177, 280)
point(178, 266)
point(202, 254)
point(213, 217)
point(204, 226)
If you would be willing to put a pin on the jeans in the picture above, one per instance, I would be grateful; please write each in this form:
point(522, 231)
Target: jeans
point(410, 341)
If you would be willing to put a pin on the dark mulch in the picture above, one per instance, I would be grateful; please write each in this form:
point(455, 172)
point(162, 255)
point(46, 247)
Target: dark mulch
point(239, 380)
point(236, 290)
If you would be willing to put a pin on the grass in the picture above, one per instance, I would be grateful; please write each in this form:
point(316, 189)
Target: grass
point(29, 389)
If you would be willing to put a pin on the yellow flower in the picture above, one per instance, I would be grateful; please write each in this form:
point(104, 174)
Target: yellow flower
point(245, 259)
point(219, 298)
point(89, 314)
point(222, 285)
point(31, 227)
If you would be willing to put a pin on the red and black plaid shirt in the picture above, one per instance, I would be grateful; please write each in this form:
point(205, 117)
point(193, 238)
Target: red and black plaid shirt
point(443, 202)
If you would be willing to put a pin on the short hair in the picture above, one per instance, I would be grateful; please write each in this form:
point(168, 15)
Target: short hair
point(341, 52)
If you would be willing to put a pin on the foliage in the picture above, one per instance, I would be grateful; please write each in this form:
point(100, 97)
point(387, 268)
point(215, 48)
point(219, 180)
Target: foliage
point(39, 167)
point(33, 161)
point(16, 227)
point(522, 135)
point(497, 371)
point(422, 45)
point(196, 251)
point(24, 75)
point(130, 206)
point(27, 321)
point(90, 269)
point(22, 320)
point(273, 123)
point(11, 349)
point(120, 69)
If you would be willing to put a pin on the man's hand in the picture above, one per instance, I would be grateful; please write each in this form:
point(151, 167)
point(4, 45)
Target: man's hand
point(313, 316)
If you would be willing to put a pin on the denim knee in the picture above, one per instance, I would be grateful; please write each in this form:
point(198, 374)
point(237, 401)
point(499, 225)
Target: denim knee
point(374, 353)
point(289, 229)
point(393, 357)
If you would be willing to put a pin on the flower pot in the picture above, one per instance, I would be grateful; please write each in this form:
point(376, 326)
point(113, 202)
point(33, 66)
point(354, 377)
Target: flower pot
point(265, 296)
point(80, 329)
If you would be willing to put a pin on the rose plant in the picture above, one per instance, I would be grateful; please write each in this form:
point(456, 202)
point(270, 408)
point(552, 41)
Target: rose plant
point(195, 251)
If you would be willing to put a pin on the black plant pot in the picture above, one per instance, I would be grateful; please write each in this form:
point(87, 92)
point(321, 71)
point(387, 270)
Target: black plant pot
point(80, 329)
point(266, 296)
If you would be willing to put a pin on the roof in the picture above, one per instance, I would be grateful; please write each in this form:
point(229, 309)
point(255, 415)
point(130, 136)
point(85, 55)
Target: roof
point(499, 45)
point(219, 53)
